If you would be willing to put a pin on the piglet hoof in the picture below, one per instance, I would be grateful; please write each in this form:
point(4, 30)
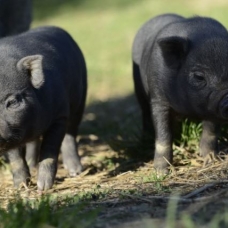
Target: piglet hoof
point(75, 170)
point(161, 173)
point(209, 158)
point(161, 168)
point(21, 179)
point(46, 174)
point(74, 173)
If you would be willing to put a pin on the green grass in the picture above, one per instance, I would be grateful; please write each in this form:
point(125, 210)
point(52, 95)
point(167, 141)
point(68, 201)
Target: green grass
point(69, 213)
point(105, 30)
point(47, 212)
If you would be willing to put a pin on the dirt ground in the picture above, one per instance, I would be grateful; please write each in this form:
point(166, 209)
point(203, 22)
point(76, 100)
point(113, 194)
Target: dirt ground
point(129, 195)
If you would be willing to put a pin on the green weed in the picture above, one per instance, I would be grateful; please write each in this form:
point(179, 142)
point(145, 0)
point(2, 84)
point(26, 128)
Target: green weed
point(55, 212)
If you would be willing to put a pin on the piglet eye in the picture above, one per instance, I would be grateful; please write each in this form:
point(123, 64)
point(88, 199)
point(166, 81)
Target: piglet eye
point(13, 103)
point(197, 79)
point(198, 76)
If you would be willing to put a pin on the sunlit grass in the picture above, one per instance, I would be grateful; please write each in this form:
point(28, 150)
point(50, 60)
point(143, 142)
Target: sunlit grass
point(105, 31)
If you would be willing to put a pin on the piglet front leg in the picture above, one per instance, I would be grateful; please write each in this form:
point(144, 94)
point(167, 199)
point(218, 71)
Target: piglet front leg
point(163, 136)
point(49, 152)
point(19, 167)
point(208, 141)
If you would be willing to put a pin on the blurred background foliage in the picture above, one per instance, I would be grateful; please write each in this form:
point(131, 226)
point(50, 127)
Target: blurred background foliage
point(104, 29)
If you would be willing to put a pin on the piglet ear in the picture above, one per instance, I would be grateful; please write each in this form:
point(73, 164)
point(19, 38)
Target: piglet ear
point(33, 64)
point(174, 50)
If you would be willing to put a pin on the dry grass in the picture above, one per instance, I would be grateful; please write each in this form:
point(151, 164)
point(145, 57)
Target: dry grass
point(131, 195)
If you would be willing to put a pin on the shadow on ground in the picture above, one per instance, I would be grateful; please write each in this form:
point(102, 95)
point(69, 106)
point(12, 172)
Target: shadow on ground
point(117, 122)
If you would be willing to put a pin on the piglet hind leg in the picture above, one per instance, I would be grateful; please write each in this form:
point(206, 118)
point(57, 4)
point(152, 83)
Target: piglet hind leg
point(163, 137)
point(70, 155)
point(32, 152)
point(208, 142)
point(49, 152)
point(71, 159)
point(143, 102)
point(19, 167)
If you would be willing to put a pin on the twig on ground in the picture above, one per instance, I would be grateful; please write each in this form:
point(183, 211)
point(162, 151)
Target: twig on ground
point(138, 198)
point(199, 199)
point(202, 201)
point(122, 174)
point(112, 202)
point(197, 191)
